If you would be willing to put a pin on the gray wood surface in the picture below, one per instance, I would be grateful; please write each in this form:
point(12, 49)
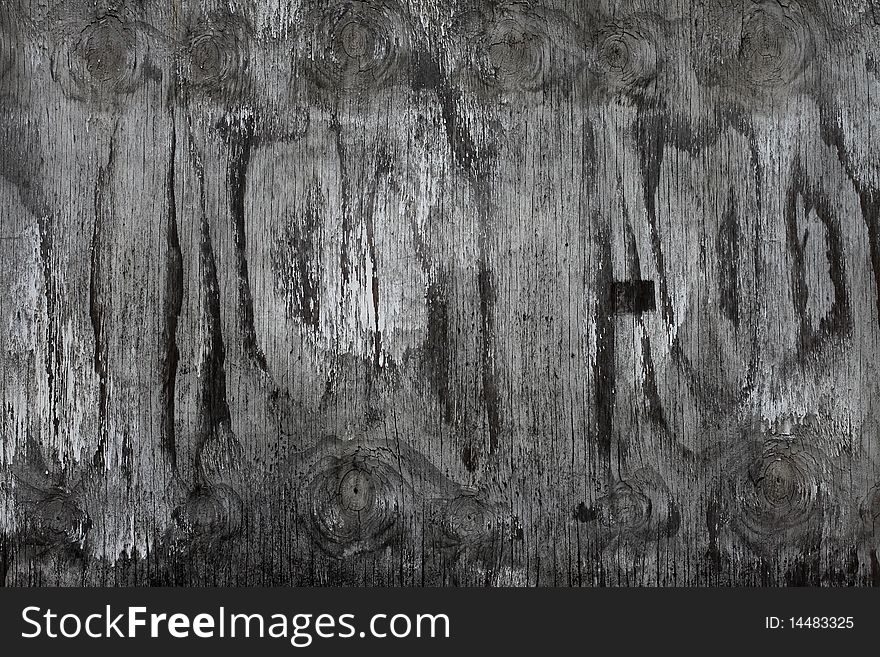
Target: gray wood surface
point(348, 292)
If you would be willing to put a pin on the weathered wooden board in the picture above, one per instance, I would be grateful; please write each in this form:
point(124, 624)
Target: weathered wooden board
point(419, 293)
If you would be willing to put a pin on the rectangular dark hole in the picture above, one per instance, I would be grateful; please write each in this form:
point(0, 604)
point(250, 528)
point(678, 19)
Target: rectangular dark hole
point(632, 296)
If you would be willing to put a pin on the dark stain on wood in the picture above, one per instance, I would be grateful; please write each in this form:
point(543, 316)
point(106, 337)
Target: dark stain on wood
point(633, 296)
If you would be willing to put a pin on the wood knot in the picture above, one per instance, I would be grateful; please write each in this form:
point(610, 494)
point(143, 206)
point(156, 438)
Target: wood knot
point(776, 43)
point(516, 48)
point(58, 521)
point(510, 54)
point(772, 46)
point(469, 524)
point(100, 58)
point(776, 493)
point(211, 513)
point(636, 509)
point(355, 503)
point(358, 46)
point(216, 58)
point(629, 55)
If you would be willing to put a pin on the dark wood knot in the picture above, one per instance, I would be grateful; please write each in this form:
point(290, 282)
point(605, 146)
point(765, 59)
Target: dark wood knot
point(777, 43)
point(516, 48)
point(358, 45)
point(509, 52)
point(216, 58)
point(100, 58)
point(355, 503)
point(629, 55)
point(764, 46)
point(638, 508)
point(58, 521)
point(471, 525)
point(211, 513)
point(776, 494)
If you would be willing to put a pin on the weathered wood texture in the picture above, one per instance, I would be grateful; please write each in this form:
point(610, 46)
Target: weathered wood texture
point(348, 292)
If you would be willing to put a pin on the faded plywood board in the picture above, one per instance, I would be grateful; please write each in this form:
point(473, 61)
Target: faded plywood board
point(331, 293)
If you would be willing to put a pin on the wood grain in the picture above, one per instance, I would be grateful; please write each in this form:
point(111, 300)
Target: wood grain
point(409, 292)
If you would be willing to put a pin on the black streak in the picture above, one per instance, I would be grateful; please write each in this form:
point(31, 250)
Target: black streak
point(476, 166)
point(491, 396)
point(798, 269)
point(5, 558)
point(344, 264)
point(732, 117)
point(838, 320)
point(96, 304)
point(304, 246)
point(53, 351)
point(173, 304)
point(748, 130)
point(436, 353)
point(728, 257)
point(213, 407)
point(383, 167)
point(650, 136)
point(604, 365)
point(241, 144)
point(655, 406)
point(869, 198)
